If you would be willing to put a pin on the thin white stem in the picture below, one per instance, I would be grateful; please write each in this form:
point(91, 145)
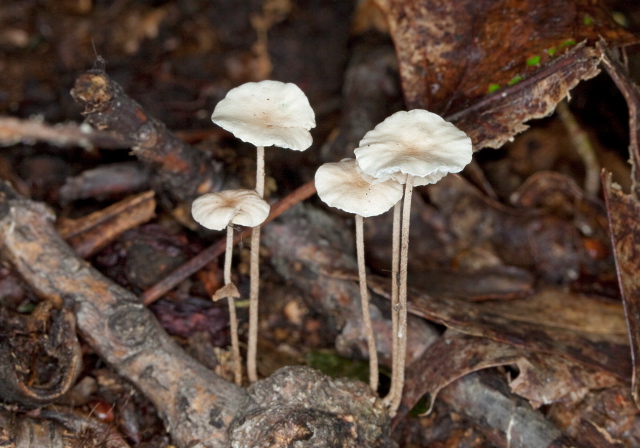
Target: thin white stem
point(395, 267)
point(228, 255)
point(233, 319)
point(254, 288)
point(402, 300)
point(364, 298)
point(260, 171)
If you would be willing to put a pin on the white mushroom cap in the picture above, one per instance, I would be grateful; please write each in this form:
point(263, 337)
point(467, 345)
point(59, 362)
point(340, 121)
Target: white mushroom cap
point(267, 113)
point(418, 143)
point(216, 211)
point(340, 186)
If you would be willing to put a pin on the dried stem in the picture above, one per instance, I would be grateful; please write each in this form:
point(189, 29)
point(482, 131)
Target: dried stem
point(399, 368)
point(260, 171)
point(364, 298)
point(254, 293)
point(395, 267)
point(233, 319)
point(583, 147)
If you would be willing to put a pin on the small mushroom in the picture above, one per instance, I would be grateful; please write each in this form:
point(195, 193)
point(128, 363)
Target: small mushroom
point(413, 148)
point(264, 113)
point(339, 185)
point(216, 211)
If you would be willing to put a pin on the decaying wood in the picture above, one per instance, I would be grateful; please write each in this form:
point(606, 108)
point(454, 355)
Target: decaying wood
point(301, 407)
point(180, 171)
point(507, 420)
point(52, 429)
point(542, 379)
point(40, 356)
point(196, 405)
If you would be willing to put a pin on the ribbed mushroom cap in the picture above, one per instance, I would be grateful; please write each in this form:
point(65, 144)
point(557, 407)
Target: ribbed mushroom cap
point(267, 113)
point(340, 186)
point(417, 142)
point(216, 211)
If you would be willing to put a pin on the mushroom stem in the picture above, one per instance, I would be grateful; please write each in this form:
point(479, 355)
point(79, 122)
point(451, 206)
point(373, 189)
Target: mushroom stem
point(364, 298)
point(402, 299)
point(260, 171)
point(254, 288)
point(233, 320)
point(395, 267)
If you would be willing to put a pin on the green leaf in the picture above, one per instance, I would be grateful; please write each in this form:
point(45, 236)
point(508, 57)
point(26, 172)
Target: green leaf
point(567, 43)
point(533, 60)
point(516, 79)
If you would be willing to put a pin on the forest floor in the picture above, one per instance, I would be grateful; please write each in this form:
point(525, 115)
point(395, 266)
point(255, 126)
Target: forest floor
point(524, 299)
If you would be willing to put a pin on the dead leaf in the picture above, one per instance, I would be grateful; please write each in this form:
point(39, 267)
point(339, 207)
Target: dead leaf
point(451, 53)
point(624, 213)
point(572, 329)
point(227, 291)
point(465, 59)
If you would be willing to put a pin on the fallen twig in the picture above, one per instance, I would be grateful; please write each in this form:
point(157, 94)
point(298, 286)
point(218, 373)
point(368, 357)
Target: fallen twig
point(15, 130)
point(181, 172)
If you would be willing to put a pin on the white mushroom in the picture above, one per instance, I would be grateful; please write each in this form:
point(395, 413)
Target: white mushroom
point(267, 113)
point(264, 113)
point(341, 186)
point(416, 143)
point(216, 211)
point(413, 148)
point(224, 209)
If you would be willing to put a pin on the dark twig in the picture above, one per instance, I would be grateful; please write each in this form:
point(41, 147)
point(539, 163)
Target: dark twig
point(181, 172)
point(14, 130)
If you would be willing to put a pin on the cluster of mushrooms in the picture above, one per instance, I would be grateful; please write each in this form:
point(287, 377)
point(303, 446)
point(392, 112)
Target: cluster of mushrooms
point(406, 150)
point(266, 113)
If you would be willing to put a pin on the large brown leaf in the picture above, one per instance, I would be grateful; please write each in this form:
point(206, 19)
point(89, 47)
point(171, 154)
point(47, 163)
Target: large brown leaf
point(454, 54)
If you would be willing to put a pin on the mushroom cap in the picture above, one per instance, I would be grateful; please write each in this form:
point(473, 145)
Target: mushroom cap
point(267, 113)
point(417, 143)
point(339, 185)
point(216, 211)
